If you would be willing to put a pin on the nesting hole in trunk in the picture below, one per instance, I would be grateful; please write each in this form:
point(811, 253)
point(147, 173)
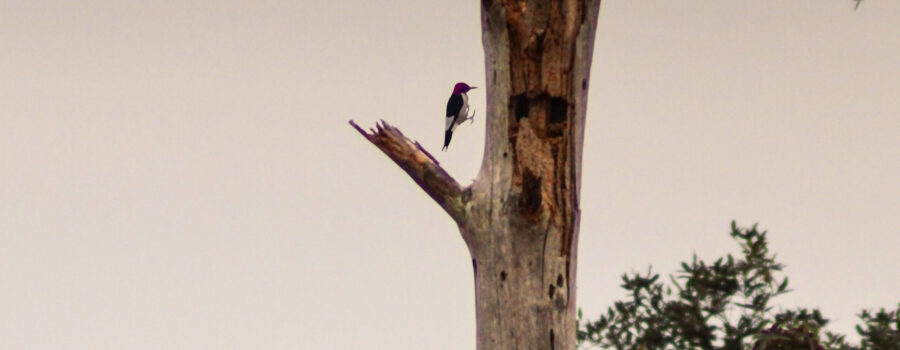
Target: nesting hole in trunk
point(557, 115)
point(530, 199)
point(521, 106)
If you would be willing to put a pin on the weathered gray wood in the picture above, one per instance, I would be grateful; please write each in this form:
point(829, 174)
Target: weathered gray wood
point(520, 217)
point(420, 165)
point(525, 227)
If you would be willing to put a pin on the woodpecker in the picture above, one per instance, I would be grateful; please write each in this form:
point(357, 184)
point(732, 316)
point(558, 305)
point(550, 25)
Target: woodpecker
point(457, 111)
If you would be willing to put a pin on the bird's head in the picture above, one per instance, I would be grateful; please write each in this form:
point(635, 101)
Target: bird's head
point(462, 88)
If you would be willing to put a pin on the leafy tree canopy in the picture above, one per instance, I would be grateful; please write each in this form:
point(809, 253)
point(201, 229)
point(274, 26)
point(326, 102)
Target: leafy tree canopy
point(725, 304)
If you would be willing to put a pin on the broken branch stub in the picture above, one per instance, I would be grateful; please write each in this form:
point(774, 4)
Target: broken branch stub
point(419, 165)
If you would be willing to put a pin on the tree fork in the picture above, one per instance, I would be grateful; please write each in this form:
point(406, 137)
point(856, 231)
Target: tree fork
point(520, 217)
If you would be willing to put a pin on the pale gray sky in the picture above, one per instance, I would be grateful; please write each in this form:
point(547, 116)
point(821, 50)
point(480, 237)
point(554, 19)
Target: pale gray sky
point(181, 174)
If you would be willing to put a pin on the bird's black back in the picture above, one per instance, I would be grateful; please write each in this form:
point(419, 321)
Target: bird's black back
point(454, 105)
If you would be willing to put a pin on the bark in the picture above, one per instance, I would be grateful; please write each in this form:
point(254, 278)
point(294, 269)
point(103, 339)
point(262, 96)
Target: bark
point(520, 217)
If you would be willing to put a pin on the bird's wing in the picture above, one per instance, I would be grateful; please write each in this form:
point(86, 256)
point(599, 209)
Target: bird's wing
point(450, 123)
point(454, 105)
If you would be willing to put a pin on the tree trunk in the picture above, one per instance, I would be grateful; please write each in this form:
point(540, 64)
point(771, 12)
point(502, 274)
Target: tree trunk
point(520, 217)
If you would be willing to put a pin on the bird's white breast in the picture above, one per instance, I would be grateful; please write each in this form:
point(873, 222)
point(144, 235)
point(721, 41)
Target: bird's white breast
point(464, 111)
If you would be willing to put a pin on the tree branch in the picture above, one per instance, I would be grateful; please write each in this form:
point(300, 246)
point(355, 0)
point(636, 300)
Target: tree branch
point(421, 167)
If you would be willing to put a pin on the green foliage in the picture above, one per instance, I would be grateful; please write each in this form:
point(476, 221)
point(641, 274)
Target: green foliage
point(880, 331)
point(803, 335)
point(724, 305)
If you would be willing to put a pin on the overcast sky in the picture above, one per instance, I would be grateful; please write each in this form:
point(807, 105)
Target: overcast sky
point(181, 175)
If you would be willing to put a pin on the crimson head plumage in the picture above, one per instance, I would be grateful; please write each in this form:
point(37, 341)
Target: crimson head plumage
point(462, 88)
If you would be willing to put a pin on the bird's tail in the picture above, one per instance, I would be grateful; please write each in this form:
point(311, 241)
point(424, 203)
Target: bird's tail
point(447, 136)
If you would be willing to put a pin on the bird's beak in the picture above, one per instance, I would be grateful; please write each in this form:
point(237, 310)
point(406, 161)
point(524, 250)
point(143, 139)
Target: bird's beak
point(473, 87)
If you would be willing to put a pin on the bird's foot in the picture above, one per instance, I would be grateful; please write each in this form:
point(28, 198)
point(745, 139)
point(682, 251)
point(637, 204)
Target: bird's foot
point(472, 118)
